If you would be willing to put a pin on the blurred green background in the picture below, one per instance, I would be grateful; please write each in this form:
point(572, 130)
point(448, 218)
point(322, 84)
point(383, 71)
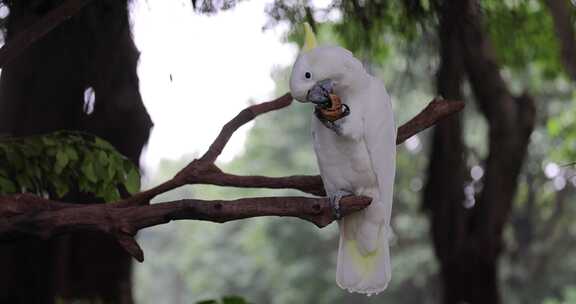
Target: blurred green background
point(275, 260)
point(484, 203)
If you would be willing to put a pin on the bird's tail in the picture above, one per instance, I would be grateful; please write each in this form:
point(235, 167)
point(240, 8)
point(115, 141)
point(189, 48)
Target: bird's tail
point(363, 253)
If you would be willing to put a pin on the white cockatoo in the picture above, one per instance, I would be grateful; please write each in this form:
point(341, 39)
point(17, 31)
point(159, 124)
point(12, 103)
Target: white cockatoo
point(356, 155)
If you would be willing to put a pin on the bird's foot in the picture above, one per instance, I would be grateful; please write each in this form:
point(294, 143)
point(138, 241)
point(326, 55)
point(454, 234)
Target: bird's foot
point(335, 202)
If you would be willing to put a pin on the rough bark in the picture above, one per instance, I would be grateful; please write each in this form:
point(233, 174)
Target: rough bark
point(443, 195)
point(29, 216)
point(42, 90)
point(468, 242)
point(511, 121)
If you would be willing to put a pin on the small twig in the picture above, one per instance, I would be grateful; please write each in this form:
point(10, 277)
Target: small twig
point(242, 118)
point(434, 112)
point(226, 133)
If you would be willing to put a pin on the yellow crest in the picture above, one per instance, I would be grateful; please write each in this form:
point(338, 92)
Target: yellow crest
point(309, 38)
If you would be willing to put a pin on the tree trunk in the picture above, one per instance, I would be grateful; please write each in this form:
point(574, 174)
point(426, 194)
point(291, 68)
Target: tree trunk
point(443, 195)
point(562, 14)
point(42, 90)
point(467, 241)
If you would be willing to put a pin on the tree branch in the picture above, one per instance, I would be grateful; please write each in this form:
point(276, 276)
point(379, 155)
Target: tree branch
point(434, 112)
point(203, 170)
point(25, 215)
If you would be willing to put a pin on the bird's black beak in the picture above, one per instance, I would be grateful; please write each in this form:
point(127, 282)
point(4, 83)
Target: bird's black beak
point(319, 94)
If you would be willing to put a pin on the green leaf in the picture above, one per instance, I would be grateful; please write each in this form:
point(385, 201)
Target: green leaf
point(108, 192)
point(101, 172)
point(84, 185)
point(112, 195)
point(54, 163)
point(61, 161)
point(48, 141)
point(102, 158)
point(127, 165)
point(111, 171)
point(100, 143)
point(61, 188)
point(233, 300)
point(7, 186)
point(88, 170)
point(225, 300)
point(553, 127)
point(15, 159)
point(24, 181)
point(132, 181)
point(72, 154)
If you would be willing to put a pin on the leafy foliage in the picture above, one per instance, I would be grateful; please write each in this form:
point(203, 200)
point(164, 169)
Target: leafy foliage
point(368, 28)
point(568, 295)
point(562, 129)
point(522, 31)
point(55, 164)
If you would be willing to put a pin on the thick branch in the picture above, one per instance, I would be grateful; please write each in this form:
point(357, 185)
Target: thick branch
point(26, 215)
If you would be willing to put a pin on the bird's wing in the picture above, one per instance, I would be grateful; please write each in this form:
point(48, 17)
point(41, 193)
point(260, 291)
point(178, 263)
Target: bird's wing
point(380, 140)
point(328, 185)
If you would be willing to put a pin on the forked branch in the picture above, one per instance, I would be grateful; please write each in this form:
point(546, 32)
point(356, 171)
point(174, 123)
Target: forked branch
point(25, 215)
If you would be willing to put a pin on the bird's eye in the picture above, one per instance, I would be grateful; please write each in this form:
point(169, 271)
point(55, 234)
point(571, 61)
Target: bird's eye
point(308, 75)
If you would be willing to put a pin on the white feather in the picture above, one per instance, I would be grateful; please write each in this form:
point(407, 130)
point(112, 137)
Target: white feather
point(361, 159)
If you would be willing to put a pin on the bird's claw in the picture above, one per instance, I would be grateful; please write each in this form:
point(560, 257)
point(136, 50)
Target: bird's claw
point(335, 202)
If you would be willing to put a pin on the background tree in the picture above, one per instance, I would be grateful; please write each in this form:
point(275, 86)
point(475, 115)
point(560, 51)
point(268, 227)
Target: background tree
point(80, 76)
